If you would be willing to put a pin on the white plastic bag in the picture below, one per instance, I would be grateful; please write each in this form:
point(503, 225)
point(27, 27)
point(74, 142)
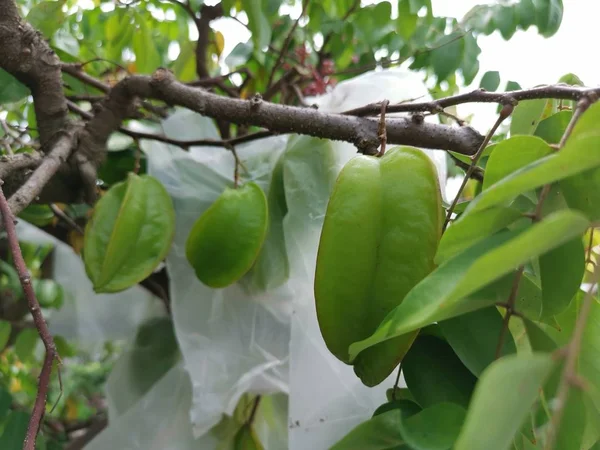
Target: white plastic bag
point(88, 318)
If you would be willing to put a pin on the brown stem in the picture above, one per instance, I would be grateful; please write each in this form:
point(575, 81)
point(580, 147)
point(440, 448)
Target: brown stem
point(482, 96)
point(27, 193)
point(382, 130)
point(569, 374)
point(510, 306)
point(286, 44)
point(504, 113)
point(38, 319)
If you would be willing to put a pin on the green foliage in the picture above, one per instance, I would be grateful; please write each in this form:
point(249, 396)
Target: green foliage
point(129, 234)
point(474, 380)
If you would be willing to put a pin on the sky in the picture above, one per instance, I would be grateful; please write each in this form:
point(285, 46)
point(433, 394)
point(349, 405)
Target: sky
point(527, 58)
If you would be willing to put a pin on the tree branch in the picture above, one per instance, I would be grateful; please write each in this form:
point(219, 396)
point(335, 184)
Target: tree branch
point(207, 15)
point(27, 56)
point(44, 380)
point(481, 96)
point(33, 186)
point(362, 132)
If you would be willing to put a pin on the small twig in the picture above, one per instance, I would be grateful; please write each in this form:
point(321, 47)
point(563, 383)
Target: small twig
point(382, 130)
point(179, 143)
point(504, 114)
point(254, 409)
point(33, 186)
point(510, 306)
point(236, 170)
point(286, 44)
point(65, 218)
point(477, 174)
point(583, 104)
point(569, 374)
point(482, 96)
point(395, 388)
point(328, 37)
point(51, 354)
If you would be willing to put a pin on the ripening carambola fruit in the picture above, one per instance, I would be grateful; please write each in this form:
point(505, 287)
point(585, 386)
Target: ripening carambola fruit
point(379, 238)
point(226, 240)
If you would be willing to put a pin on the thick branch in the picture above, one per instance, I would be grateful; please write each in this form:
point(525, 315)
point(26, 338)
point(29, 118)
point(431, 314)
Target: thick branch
point(27, 56)
point(362, 132)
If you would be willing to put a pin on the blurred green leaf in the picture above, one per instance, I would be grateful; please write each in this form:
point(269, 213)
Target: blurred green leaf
point(496, 401)
point(25, 344)
point(5, 329)
point(47, 17)
point(474, 337)
point(15, 428)
point(434, 374)
point(490, 81)
point(447, 55)
point(11, 90)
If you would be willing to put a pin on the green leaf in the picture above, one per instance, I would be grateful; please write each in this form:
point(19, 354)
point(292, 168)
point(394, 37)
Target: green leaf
point(246, 439)
point(511, 155)
point(239, 55)
point(579, 154)
point(434, 374)
point(408, 407)
point(154, 352)
point(49, 293)
point(503, 397)
point(446, 292)
point(474, 337)
point(407, 19)
point(47, 17)
point(470, 63)
point(378, 433)
point(571, 79)
point(505, 20)
point(130, 233)
point(25, 344)
point(526, 116)
point(526, 13)
point(184, 67)
point(552, 128)
point(582, 192)
point(66, 42)
point(5, 402)
point(5, 329)
point(64, 349)
point(447, 56)
point(419, 433)
point(561, 272)
point(472, 228)
point(490, 80)
point(11, 90)
point(271, 269)
point(15, 428)
point(259, 26)
point(548, 16)
point(147, 57)
point(588, 363)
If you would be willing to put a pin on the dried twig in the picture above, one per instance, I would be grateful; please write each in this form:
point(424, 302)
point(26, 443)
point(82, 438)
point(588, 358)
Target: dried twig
point(51, 353)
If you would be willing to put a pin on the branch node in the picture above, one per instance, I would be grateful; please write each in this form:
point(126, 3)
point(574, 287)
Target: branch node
point(417, 118)
point(255, 101)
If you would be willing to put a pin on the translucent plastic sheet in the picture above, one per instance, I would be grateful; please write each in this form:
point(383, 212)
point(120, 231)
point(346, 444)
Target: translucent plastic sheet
point(88, 318)
point(234, 341)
